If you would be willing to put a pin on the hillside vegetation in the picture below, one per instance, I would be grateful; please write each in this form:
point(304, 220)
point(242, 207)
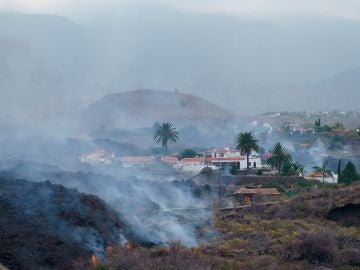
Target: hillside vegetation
point(302, 233)
point(142, 108)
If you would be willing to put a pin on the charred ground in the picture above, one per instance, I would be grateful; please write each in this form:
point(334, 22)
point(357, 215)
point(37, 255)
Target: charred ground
point(46, 226)
point(296, 234)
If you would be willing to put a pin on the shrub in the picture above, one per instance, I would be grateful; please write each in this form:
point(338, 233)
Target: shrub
point(275, 184)
point(350, 257)
point(187, 153)
point(233, 169)
point(316, 248)
point(175, 248)
point(349, 174)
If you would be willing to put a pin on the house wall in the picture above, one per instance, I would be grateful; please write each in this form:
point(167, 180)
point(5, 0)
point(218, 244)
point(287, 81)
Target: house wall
point(256, 180)
point(254, 198)
point(257, 160)
point(240, 164)
point(128, 164)
point(331, 180)
point(268, 198)
point(241, 198)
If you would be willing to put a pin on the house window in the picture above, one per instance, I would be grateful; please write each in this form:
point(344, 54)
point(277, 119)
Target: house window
point(222, 155)
point(254, 164)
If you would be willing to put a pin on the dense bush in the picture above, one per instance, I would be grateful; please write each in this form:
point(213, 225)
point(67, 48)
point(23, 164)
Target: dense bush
point(187, 153)
point(172, 257)
point(321, 247)
point(349, 174)
point(233, 169)
point(350, 257)
point(337, 142)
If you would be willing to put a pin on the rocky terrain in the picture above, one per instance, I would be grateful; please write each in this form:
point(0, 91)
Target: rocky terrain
point(142, 205)
point(46, 226)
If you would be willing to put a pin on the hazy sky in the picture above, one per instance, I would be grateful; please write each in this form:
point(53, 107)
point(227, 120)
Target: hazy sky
point(341, 8)
point(121, 45)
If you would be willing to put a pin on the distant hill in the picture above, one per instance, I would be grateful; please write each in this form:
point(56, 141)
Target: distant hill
point(342, 89)
point(142, 108)
point(338, 92)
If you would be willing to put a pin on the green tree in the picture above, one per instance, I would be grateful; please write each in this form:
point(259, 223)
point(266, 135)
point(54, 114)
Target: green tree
point(339, 171)
point(349, 174)
point(279, 156)
point(325, 128)
point(188, 153)
point(323, 170)
point(292, 169)
point(246, 143)
point(337, 142)
point(338, 125)
point(286, 169)
point(318, 122)
point(166, 133)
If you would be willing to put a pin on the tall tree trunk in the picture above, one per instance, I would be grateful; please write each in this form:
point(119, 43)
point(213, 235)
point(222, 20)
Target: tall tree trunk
point(279, 169)
point(247, 161)
point(339, 171)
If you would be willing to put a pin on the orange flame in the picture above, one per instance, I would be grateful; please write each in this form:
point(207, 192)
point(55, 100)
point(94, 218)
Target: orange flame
point(93, 261)
point(129, 245)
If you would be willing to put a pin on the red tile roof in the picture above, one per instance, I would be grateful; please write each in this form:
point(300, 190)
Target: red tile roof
point(317, 175)
point(221, 150)
point(245, 191)
point(209, 159)
point(261, 191)
point(192, 160)
point(97, 153)
point(227, 159)
point(170, 159)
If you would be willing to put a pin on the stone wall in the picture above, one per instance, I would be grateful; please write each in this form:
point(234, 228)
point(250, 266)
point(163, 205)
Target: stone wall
point(258, 180)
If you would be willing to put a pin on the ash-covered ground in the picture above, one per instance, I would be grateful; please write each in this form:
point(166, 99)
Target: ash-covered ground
point(46, 226)
point(68, 226)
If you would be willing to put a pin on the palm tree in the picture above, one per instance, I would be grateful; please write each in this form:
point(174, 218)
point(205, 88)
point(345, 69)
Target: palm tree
point(323, 170)
point(246, 143)
point(298, 169)
point(165, 133)
point(279, 156)
point(293, 169)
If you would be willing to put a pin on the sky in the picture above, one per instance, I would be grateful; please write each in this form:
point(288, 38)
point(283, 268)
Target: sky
point(338, 8)
point(107, 46)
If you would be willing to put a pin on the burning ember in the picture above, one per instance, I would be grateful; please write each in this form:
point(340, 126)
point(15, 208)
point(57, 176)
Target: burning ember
point(129, 245)
point(93, 261)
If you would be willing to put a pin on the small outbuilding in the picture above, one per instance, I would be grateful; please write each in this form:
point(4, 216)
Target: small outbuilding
point(247, 196)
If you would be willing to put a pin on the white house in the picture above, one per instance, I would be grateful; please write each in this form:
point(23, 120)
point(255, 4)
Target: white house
point(295, 129)
point(193, 165)
point(222, 157)
point(98, 156)
point(329, 178)
point(218, 158)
